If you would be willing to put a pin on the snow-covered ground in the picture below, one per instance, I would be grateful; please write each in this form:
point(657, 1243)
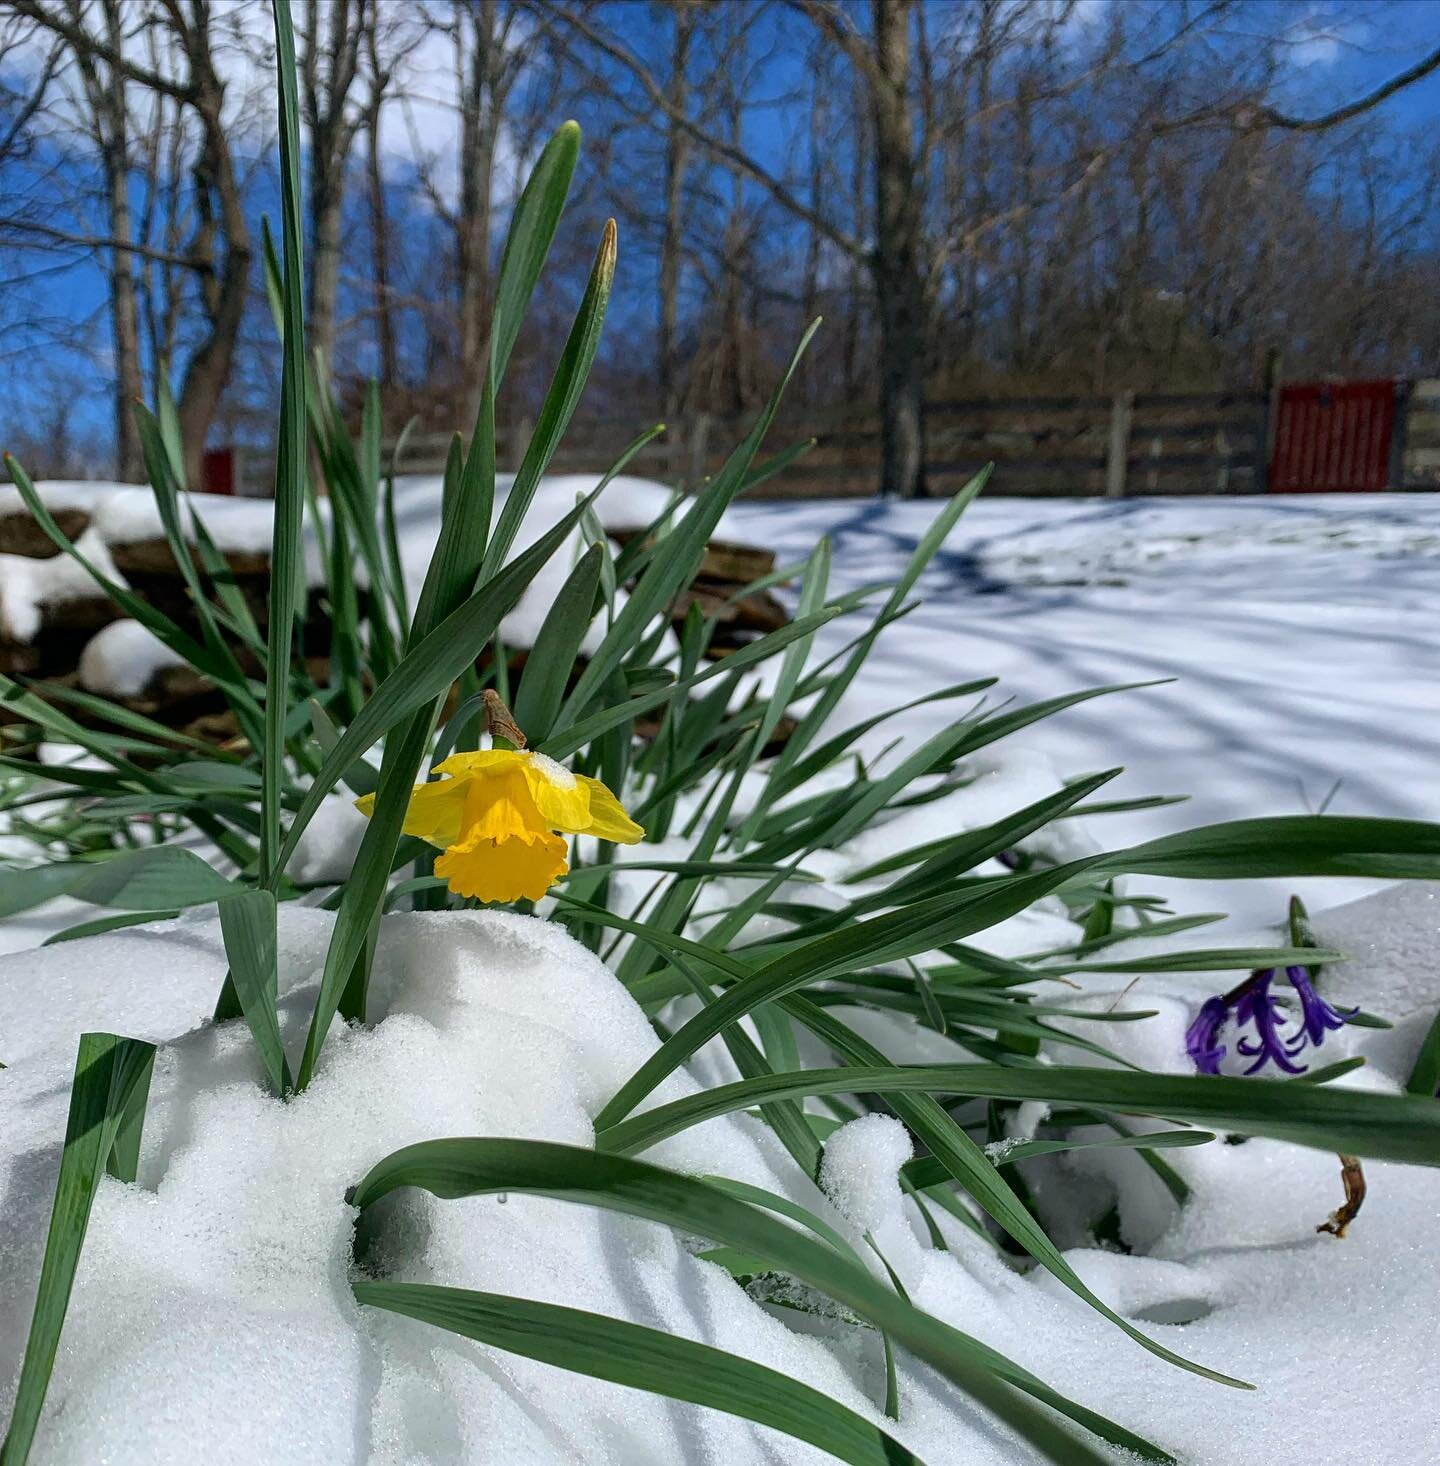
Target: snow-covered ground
point(213, 1317)
point(1303, 633)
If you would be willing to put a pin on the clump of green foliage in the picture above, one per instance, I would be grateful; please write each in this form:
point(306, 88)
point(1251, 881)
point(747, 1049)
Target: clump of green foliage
point(895, 938)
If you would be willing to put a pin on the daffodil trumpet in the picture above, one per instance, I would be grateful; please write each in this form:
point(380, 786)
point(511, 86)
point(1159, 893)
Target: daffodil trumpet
point(499, 815)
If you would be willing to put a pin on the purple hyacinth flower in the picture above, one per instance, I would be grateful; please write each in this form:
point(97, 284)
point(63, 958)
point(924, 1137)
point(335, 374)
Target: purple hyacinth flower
point(1202, 1038)
point(1317, 1017)
point(1256, 1006)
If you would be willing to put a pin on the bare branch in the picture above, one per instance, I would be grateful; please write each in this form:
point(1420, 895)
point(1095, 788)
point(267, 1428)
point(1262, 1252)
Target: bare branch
point(81, 40)
point(1250, 116)
point(717, 148)
point(50, 235)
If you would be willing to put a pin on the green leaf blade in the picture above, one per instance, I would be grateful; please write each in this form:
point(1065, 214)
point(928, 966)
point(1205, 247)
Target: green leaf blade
point(646, 1359)
point(107, 1103)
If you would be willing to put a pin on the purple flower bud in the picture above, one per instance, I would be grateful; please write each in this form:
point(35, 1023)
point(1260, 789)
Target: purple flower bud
point(1256, 1006)
point(1317, 1017)
point(1202, 1038)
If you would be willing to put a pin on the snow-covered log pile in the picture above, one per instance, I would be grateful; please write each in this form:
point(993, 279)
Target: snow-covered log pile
point(58, 626)
point(49, 605)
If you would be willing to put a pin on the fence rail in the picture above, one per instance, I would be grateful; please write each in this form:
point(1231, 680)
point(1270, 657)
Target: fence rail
point(1125, 444)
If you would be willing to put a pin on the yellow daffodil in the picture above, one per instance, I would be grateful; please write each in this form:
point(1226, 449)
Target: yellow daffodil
point(495, 814)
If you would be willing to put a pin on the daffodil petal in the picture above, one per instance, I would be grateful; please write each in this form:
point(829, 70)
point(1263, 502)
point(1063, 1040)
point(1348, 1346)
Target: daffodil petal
point(480, 761)
point(608, 820)
point(562, 799)
point(524, 865)
point(436, 811)
point(501, 806)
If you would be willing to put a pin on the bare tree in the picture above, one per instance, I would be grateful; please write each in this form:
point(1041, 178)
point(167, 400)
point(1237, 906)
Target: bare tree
point(985, 192)
point(219, 249)
point(677, 158)
point(389, 38)
point(92, 99)
point(491, 43)
point(333, 36)
point(882, 65)
point(183, 67)
point(895, 260)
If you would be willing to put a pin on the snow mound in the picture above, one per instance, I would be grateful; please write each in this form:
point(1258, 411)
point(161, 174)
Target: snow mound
point(327, 847)
point(28, 586)
point(1391, 940)
point(212, 1316)
point(212, 1313)
point(121, 658)
point(860, 1169)
point(239, 526)
point(127, 514)
point(58, 494)
point(1259, 606)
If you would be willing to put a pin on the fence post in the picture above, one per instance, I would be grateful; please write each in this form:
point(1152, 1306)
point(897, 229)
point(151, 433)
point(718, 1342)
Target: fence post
point(520, 434)
point(1269, 416)
point(699, 441)
point(1222, 456)
point(1399, 432)
point(1117, 457)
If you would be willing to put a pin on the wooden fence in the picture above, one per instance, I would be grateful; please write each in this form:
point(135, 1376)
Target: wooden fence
point(1126, 444)
point(1040, 446)
point(1419, 430)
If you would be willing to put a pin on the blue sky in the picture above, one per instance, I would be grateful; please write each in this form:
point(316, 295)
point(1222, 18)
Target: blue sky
point(1344, 50)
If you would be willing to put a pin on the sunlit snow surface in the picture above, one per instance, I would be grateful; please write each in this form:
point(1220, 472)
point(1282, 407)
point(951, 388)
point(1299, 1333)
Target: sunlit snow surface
point(1303, 632)
point(212, 1318)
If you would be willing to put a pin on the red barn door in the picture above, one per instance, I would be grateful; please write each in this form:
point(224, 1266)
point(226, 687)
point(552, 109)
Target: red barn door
point(217, 471)
point(1333, 437)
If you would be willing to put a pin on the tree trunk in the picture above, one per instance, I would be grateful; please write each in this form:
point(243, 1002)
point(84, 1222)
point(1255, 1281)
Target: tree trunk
point(732, 324)
point(859, 179)
point(112, 128)
point(472, 226)
point(125, 325)
point(209, 367)
point(977, 195)
point(810, 284)
point(380, 254)
point(323, 267)
point(895, 264)
point(329, 57)
point(1023, 313)
point(677, 151)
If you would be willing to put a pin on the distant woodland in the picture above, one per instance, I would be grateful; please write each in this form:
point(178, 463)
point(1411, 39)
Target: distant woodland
point(980, 196)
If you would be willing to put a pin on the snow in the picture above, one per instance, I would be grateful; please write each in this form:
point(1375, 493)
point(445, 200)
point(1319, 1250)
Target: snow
point(233, 1249)
point(239, 526)
point(327, 846)
point(858, 1172)
point(121, 658)
point(28, 586)
point(60, 494)
point(557, 774)
point(1300, 631)
point(213, 1315)
point(626, 503)
point(1391, 940)
point(212, 1309)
